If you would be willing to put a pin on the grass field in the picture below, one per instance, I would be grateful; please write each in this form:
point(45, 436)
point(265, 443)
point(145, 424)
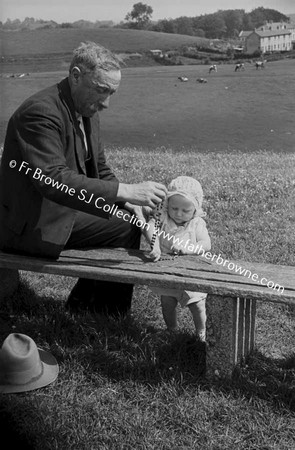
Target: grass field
point(47, 50)
point(50, 42)
point(126, 384)
point(247, 111)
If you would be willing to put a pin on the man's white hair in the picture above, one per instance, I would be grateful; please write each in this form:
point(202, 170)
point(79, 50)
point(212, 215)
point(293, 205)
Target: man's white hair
point(90, 57)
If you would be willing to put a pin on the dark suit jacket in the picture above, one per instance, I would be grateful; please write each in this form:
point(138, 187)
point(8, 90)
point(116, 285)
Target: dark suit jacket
point(35, 216)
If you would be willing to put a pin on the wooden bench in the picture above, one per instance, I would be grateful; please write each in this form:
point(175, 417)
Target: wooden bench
point(231, 302)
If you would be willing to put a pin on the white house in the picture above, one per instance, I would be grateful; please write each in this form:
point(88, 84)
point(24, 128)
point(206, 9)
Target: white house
point(274, 26)
point(269, 41)
point(270, 37)
point(243, 35)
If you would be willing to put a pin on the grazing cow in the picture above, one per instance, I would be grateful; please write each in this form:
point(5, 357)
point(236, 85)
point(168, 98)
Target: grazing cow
point(183, 78)
point(239, 66)
point(213, 68)
point(201, 80)
point(260, 64)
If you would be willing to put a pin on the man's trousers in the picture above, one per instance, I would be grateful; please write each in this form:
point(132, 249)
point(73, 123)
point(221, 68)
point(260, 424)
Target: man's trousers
point(90, 231)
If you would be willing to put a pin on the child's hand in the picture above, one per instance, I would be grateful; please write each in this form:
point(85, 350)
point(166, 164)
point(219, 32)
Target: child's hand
point(155, 254)
point(178, 250)
point(146, 211)
point(136, 210)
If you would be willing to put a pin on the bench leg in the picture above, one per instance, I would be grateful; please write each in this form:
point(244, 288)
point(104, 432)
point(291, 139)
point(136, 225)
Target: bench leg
point(230, 333)
point(9, 280)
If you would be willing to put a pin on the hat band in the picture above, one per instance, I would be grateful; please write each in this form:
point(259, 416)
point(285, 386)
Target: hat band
point(23, 377)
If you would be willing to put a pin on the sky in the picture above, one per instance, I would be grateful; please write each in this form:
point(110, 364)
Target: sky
point(116, 10)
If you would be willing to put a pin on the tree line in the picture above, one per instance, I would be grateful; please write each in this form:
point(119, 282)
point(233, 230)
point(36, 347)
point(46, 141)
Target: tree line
point(218, 25)
point(30, 23)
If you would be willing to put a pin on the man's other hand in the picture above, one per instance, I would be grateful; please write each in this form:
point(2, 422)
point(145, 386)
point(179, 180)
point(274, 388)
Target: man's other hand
point(148, 193)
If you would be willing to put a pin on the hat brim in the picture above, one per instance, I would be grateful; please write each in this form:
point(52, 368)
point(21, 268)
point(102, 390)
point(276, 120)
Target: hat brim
point(50, 373)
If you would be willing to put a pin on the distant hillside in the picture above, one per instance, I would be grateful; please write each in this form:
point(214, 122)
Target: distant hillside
point(30, 23)
point(62, 41)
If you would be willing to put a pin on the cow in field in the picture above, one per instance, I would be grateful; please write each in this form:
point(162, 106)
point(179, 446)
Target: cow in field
point(260, 64)
point(183, 78)
point(239, 66)
point(213, 68)
point(201, 80)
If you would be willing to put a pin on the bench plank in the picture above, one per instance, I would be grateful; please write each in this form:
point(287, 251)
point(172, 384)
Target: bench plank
point(231, 301)
point(185, 272)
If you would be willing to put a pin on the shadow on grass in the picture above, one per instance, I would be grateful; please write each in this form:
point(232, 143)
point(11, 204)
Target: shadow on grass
point(150, 359)
point(127, 349)
point(268, 379)
point(119, 349)
point(16, 419)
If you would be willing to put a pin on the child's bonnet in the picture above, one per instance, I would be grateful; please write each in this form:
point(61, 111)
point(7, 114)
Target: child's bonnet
point(192, 190)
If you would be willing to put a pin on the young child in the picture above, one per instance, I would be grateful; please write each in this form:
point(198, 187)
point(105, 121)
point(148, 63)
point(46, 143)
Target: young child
point(181, 230)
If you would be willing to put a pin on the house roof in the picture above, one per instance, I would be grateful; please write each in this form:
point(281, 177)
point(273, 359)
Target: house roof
point(269, 33)
point(245, 33)
point(289, 26)
point(263, 34)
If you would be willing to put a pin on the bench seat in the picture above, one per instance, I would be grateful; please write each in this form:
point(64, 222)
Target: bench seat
point(231, 302)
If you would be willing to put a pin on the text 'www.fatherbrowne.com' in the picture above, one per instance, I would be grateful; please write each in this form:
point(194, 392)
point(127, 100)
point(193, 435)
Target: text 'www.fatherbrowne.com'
point(218, 259)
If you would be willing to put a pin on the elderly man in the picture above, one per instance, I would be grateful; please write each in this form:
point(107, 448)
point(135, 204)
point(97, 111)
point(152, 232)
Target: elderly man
point(54, 180)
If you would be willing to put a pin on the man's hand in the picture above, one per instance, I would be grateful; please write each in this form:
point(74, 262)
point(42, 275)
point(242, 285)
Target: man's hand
point(148, 193)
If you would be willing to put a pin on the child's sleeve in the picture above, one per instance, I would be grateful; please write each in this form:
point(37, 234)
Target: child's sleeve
point(148, 229)
point(152, 239)
point(202, 235)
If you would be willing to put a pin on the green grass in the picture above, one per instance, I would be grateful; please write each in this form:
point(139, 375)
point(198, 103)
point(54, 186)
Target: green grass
point(127, 384)
point(62, 41)
point(51, 50)
point(247, 111)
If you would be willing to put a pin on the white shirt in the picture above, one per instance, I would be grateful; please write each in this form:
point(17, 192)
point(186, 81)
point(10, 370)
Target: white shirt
point(81, 125)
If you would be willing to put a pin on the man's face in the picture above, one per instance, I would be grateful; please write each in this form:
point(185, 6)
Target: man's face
point(91, 91)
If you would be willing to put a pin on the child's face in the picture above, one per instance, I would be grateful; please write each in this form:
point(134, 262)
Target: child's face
point(180, 209)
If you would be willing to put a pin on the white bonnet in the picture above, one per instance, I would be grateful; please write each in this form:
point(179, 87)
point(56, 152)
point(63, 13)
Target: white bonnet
point(189, 188)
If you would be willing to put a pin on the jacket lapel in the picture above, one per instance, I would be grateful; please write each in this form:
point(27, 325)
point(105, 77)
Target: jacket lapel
point(66, 98)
